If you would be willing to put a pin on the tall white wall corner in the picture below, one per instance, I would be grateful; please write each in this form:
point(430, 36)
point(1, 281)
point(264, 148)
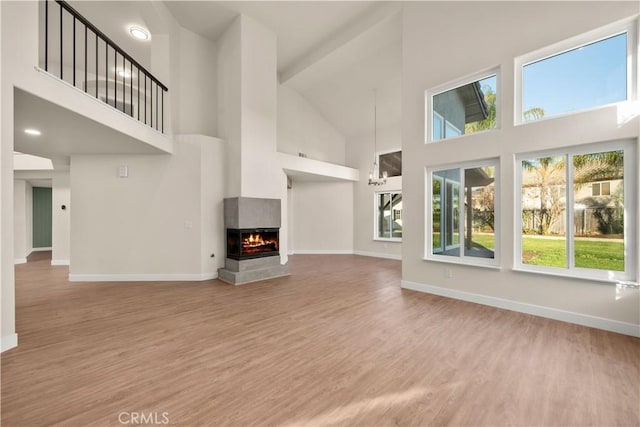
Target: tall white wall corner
point(7, 289)
point(61, 218)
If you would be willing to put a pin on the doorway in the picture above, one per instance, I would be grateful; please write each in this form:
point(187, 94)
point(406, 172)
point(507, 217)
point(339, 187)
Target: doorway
point(42, 218)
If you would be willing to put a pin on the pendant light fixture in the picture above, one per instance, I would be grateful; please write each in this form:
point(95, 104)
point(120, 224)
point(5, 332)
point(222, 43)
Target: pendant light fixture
point(374, 175)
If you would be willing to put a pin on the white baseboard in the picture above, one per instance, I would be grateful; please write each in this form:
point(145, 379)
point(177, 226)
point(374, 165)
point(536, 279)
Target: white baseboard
point(20, 261)
point(322, 252)
point(142, 277)
point(536, 310)
point(379, 255)
point(41, 249)
point(60, 262)
point(8, 341)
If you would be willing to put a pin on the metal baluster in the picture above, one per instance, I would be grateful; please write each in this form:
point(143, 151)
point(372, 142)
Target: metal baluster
point(96, 64)
point(46, 35)
point(151, 101)
point(85, 58)
point(61, 44)
point(74, 51)
point(115, 78)
point(106, 72)
point(131, 87)
point(145, 98)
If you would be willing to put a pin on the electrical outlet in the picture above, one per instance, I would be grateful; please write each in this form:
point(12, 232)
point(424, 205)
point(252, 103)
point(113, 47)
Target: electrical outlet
point(448, 273)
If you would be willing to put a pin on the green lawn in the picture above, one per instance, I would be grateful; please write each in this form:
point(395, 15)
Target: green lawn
point(436, 239)
point(602, 254)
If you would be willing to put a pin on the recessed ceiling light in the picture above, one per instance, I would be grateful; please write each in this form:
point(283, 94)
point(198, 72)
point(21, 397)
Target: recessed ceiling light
point(34, 132)
point(139, 33)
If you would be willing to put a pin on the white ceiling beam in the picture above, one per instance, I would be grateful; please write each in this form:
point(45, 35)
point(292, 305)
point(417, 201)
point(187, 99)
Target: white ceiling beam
point(353, 31)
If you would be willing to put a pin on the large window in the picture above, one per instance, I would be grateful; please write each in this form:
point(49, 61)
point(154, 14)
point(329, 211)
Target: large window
point(462, 213)
point(388, 216)
point(462, 108)
point(577, 211)
point(583, 73)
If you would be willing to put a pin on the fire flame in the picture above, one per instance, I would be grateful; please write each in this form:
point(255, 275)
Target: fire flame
point(254, 241)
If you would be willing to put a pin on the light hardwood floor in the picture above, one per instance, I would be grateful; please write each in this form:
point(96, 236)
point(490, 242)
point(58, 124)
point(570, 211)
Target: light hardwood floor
point(336, 343)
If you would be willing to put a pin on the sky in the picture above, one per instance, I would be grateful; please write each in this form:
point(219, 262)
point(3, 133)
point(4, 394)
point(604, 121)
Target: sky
point(590, 76)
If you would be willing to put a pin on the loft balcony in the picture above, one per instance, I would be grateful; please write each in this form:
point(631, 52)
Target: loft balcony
point(97, 111)
point(75, 51)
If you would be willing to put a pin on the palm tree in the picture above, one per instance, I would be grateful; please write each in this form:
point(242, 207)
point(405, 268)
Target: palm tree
point(592, 167)
point(547, 172)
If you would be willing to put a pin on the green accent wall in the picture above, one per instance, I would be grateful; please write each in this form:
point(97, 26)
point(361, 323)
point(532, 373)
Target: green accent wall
point(41, 217)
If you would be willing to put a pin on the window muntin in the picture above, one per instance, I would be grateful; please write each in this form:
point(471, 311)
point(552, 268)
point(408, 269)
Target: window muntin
point(462, 108)
point(462, 213)
point(565, 228)
point(391, 163)
point(585, 72)
point(388, 216)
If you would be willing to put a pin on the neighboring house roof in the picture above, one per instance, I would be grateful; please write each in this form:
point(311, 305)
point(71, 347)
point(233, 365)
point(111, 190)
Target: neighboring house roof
point(477, 177)
point(475, 106)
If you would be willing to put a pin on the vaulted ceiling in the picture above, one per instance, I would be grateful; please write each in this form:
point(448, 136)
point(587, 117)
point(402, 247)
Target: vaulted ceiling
point(334, 53)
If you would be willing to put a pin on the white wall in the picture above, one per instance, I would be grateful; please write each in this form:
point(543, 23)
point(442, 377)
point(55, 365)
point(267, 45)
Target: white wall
point(261, 176)
point(360, 156)
point(301, 129)
point(61, 218)
point(508, 29)
point(23, 220)
point(149, 226)
point(198, 112)
point(229, 104)
point(8, 336)
point(213, 239)
point(322, 217)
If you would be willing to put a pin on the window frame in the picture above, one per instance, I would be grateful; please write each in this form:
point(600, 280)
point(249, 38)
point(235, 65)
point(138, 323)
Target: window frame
point(630, 191)
point(628, 26)
point(428, 238)
point(454, 84)
point(376, 218)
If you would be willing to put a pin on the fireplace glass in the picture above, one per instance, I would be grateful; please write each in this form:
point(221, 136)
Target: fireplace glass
point(252, 243)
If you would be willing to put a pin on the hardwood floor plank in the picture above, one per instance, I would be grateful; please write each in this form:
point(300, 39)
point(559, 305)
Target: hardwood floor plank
point(336, 343)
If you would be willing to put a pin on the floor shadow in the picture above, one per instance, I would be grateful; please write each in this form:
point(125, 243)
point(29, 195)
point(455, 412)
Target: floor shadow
point(39, 256)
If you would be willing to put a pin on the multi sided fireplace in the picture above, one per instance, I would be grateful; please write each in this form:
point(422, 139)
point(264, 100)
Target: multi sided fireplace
point(252, 243)
point(252, 226)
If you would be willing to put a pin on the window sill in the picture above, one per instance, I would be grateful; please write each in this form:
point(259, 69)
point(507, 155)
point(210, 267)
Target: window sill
point(576, 275)
point(389, 239)
point(464, 261)
point(430, 141)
